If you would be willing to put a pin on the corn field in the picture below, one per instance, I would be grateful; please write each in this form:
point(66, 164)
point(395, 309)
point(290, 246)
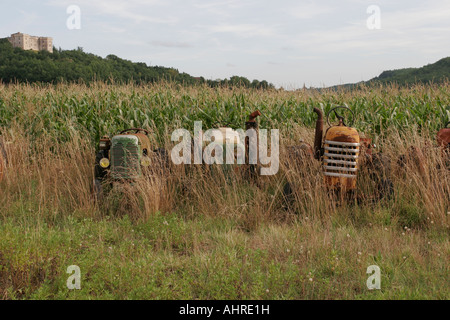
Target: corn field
point(100, 109)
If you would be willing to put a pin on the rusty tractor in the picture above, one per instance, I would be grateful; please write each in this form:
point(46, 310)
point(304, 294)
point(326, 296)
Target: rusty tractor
point(125, 158)
point(415, 157)
point(220, 142)
point(344, 155)
point(230, 140)
point(443, 141)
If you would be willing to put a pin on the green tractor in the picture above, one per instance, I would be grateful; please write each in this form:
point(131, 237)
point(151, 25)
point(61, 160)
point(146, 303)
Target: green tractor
point(125, 158)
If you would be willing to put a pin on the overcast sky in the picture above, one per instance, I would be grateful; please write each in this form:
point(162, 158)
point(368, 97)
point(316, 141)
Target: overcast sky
point(286, 42)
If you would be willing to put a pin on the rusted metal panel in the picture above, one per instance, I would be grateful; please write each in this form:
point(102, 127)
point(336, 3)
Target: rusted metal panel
point(340, 158)
point(253, 116)
point(125, 157)
point(144, 141)
point(443, 137)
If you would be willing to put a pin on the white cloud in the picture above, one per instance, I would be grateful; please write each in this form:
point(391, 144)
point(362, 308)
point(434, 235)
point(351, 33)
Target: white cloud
point(309, 10)
point(137, 11)
point(406, 29)
point(171, 44)
point(244, 30)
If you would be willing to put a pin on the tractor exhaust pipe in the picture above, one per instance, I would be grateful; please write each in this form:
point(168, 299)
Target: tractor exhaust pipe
point(251, 124)
point(318, 135)
point(253, 116)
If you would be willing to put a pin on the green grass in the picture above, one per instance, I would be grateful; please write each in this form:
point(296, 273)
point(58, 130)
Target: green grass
point(170, 256)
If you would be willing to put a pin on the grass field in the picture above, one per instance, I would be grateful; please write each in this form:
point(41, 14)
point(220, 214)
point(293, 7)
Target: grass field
point(196, 235)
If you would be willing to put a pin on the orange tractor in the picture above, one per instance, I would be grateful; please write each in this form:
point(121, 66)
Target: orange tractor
point(443, 140)
point(343, 153)
point(415, 157)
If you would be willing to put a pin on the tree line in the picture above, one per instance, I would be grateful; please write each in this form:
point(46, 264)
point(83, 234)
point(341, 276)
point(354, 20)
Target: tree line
point(435, 72)
point(17, 65)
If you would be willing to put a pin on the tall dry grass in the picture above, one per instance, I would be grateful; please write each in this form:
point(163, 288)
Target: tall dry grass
point(58, 180)
point(51, 133)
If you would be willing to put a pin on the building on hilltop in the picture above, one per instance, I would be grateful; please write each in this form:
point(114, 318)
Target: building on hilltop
point(27, 42)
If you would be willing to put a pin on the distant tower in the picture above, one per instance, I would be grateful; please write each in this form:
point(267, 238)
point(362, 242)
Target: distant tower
point(27, 42)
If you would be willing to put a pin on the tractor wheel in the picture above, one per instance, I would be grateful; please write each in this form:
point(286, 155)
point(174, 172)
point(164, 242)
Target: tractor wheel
point(162, 158)
point(385, 189)
point(381, 172)
point(380, 166)
point(288, 196)
point(98, 190)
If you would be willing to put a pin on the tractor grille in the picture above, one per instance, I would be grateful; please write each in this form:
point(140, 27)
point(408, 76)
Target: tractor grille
point(341, 159)
point(125, 159)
